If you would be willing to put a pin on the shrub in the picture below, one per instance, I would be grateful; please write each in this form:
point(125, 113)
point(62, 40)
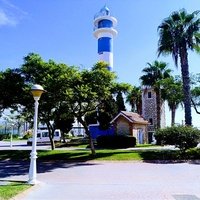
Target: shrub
point(28, 134)
point(4, 136)
point(7, 136)
point(1, 137)
point(115, 141)
point(193, 153)
point(183, 137)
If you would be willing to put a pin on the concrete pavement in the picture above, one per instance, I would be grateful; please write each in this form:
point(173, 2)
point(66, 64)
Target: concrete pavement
point(108, 181)
point(104, 180)
point(21, 145)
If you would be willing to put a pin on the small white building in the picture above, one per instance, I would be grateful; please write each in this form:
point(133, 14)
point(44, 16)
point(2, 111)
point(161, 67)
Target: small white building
point(131, 124)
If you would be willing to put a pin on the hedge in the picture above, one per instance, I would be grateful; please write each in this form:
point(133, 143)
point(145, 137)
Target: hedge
point(183, 137)
point(115, 141)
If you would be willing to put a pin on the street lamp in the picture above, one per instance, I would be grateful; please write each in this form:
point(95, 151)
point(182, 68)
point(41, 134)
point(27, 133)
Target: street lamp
point(36, 91)
point(8, 119)
point(11, 135)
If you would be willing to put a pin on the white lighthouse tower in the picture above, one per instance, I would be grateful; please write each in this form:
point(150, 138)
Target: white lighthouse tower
point(104, 31)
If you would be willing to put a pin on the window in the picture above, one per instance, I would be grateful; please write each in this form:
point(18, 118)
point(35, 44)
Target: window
point(45, 134)
point(151, 121)
point(56, 133)
point(149, 95)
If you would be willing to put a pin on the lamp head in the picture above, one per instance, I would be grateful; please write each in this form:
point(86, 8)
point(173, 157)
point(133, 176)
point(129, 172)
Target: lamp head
point(37, 90)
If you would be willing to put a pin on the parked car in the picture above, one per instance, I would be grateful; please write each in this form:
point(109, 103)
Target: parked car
point(43, 136)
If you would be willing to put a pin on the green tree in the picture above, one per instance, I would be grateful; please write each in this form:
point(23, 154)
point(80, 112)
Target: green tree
point(86, 90)
point(11, 86)
point(153, 74)
point(120, 102)
point(103, 114)
point(195, 91)
point(63, 119)
point(173, 94)
point(91, 117)
point(195, 99)
point(111, 106)
point(108, 109)
point(120, 90)
point(179, 33)
point(134, 98)
point(54, 78)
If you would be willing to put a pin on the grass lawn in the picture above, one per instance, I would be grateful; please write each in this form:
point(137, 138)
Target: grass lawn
point(10, 190)
point(107, 154)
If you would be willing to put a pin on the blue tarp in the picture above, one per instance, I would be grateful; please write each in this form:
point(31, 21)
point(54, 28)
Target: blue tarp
point(95, 131)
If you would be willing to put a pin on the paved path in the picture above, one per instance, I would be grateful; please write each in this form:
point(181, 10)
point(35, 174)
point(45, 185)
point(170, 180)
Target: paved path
point(107, 180)
point(20, 145)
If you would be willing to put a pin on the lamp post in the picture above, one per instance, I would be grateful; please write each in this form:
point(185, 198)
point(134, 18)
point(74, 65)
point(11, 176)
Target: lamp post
point(10, 120)
point(11, 135)
point(97, 111)
point(36, 91)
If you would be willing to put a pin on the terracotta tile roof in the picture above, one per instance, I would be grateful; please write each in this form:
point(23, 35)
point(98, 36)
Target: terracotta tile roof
point(134, 117)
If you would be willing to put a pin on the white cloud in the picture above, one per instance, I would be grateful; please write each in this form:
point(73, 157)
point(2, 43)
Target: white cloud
point(10, 14)
point(5, 19)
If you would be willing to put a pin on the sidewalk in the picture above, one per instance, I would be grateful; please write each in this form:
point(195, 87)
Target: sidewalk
point(111, 181)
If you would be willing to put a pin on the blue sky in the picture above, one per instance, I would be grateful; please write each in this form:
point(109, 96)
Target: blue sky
point(62, 30)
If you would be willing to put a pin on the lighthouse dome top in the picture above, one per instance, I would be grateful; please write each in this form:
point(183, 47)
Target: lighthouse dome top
point(103, 12)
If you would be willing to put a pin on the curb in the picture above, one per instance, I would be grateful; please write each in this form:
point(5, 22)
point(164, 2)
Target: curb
point(22, 195)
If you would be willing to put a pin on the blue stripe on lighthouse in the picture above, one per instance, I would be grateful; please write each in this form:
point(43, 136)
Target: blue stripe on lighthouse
point(105, 23)
point(104, 44)
point(109, 68)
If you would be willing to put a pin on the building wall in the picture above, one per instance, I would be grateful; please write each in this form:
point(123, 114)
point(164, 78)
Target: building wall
point(149, 109)
point(124, 127)
point(143, 128)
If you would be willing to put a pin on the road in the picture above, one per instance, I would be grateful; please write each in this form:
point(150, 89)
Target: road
point(104, 180)
point(107, 180)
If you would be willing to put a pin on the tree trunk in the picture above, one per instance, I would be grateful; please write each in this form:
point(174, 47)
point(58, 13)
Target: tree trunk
point(186, 86)
point(195, 107)
point(173, 114)
point(63, 137)
point(91, 142)
point(139, 108)
point(51, 135)
point(52, 142)
point(88, 134)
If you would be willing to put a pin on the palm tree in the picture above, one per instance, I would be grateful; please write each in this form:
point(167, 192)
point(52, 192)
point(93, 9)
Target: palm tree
point(173, 94)
point(154, 73)
point(178, 34)
point(134, 98)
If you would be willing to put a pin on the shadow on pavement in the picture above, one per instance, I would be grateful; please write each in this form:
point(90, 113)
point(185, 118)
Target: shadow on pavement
point(10, 168)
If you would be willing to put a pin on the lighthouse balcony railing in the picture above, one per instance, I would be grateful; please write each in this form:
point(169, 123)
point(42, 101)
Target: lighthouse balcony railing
point(99, 28)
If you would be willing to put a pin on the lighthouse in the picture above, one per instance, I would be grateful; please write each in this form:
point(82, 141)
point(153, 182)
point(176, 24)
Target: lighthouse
point(104, 31)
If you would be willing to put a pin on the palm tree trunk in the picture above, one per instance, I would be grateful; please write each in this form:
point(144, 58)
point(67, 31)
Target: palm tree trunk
point(139, 107)
point(173, 114)
point(186, 86)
